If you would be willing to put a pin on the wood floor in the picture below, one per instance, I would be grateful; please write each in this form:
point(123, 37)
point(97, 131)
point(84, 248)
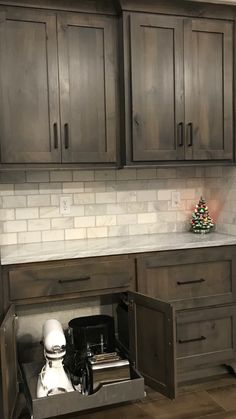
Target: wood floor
point(211, 400)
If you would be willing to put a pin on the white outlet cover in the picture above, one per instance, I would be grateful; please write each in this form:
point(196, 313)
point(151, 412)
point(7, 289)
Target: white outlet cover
point(65, 205)
point(175, 199)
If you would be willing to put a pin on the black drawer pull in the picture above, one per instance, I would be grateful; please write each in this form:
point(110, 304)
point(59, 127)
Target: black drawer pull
point(197, 281)
point(192, 340)
point(66, 131)
point(66, 281)
point(181, 134)
point(190, 134)
point(55, 133)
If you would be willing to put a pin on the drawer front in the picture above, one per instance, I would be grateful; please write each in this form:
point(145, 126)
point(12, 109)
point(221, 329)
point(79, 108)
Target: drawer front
point(202, 277)
point(205, 335)
point(70, 277)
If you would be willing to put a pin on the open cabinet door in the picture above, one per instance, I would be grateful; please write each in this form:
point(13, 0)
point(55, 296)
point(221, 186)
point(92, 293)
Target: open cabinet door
point(152, 341)
point(8, 364)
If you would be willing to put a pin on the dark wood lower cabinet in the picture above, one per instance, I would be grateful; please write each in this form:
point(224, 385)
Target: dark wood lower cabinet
point(178, 326)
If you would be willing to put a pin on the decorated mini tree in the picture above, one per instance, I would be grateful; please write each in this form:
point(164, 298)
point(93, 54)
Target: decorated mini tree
point(201, 221)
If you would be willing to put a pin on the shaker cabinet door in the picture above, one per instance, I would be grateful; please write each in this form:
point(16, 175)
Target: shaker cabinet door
point(157, 87)
point(29, 98)
point(208, 89)
point(88, 88)
point(152, 341)
point(8, 365)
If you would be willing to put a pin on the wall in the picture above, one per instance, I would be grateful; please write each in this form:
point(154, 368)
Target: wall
point(104, 203)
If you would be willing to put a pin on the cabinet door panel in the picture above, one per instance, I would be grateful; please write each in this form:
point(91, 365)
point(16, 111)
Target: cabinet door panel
point(29, 98)
point(88, 85)
point(157, 87)
point(152, 342)
point(209, 89)
point(8, 364)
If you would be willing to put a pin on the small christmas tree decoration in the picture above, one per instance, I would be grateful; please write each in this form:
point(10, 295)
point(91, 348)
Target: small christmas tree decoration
point(201, 221)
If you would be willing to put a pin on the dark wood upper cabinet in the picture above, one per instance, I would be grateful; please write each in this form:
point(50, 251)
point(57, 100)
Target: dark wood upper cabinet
point(58, 87)
point(181, 97)
point(208, 89)
point(29, 94)
point(157, 87)
point(88, 88)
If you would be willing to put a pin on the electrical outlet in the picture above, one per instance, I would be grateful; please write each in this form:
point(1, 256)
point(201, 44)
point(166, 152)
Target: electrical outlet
point(175, 199)
point(65, 205)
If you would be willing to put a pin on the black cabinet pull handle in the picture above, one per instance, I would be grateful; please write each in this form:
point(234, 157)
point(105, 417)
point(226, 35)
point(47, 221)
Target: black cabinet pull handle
point(197, 281)
point(192, 340)
point(180, 134)
point(66, 281)
point(55, 134)
point(66, 130)
point(190, 134)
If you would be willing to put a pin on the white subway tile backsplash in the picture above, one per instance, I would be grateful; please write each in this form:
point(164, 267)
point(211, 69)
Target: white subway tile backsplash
point(61, 176)
point(14, 226)
point(96, 232)
point(96, 209)
point(75, 233)
point(72, 187)
point(84, 198)
point(164, 195)
point(127, 196)
point(26, 213)
point(7, 214)
point(146, 195)
point(110, 202)
point(83, 175)
point(39, 225)
point(50, 188)
point(93, 187)
point(126, 174)
point(37, 176)
point(147, 218)
point(105, 174)
point(27, 189)
point(105, 198)
point(53, 235)
point(49, 212)
point(38, 201)
point(87, 221)
point(105, 220)
point(124, 219)
point(6, 189)
point(59, 223)
point(115, 231)
point(29, 237)
point(9, 238)
point(14, 201)
point(146, 173)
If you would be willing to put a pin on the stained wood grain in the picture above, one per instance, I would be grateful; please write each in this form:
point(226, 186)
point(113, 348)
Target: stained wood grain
point(29, 99)
point(88, 88)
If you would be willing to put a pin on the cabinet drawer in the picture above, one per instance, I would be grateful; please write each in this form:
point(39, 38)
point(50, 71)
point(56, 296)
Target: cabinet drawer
point(205, 336)
point(190, 278)
point(43, 280)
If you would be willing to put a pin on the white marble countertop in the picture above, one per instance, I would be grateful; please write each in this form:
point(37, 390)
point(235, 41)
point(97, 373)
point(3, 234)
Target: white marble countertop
point(38, 252)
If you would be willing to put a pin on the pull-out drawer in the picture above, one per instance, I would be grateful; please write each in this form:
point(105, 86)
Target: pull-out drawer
point(70, 277)
point(205, 336)
point(68, 403)
point(189, 278)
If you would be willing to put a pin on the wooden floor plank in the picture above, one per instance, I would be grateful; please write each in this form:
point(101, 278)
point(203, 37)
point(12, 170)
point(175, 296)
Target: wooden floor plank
point(225, 397)
point(223, 415)
point(188, 406)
